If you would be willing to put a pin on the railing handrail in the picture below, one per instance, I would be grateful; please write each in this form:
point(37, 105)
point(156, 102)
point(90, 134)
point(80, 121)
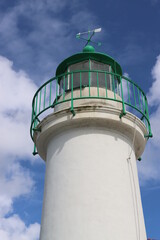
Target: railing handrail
point(143, 110)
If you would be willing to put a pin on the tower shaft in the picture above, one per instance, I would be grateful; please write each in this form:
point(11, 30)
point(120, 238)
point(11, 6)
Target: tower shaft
point(91, 184)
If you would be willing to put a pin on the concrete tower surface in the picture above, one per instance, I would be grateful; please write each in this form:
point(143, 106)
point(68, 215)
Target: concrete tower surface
point(90, 124)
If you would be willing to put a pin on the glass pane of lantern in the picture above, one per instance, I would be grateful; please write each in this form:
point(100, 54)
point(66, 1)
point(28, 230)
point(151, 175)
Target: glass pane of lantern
point(80, 67)
point(98, 78)
point(63, 84)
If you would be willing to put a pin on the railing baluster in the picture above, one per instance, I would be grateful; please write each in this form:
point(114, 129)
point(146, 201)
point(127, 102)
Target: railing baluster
point(50, 93)
point(113, 86)
point(123, 105)
point(147, 116)
point(56, 89)
point(143, 104)
point(89, 75)
point(118, 87)
point(106, 85)
point(144, 110)
point(36, 111)
point(97, 85)
point(128, 92)
point(44, 103)
point(40, 100)
point(80, 84)
point(134, 95)
point(72, 108)
point(64, 88)
point(139, 99)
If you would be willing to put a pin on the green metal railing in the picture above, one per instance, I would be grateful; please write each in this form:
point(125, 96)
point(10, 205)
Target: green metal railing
point(53, 92)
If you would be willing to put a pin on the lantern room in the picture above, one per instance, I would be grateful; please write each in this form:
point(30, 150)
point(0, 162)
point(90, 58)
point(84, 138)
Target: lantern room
point(90, 69)
point(89, 78)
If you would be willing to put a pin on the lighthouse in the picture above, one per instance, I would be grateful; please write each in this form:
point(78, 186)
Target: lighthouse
point(90, 125)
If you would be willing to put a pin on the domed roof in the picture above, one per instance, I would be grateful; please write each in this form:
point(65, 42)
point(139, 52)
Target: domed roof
point(88, 53)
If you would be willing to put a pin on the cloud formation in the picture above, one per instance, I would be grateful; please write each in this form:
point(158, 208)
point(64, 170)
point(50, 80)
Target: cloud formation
point(40, 25)
point(17, 90)
point(154, 101)
point(149, 168)
point(13, 228)
point(32, 34)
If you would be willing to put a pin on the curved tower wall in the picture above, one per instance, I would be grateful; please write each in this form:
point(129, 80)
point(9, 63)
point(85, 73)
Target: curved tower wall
point(91, 184)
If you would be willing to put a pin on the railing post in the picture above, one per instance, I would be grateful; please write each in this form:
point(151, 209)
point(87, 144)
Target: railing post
point(123, 105)
point(113, 81)
point(34, 150)
point(56, 90)
point(80, 84)
point(147, 115)
point(72, 108)
point(97, 85)
point(44, 103)
point(89, 76)
point(106, 85)
point(64, 88)
point(35, 112)
point(50, 93)
point(128, 92)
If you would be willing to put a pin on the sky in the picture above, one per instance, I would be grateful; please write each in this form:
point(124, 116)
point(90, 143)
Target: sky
point(35, 36)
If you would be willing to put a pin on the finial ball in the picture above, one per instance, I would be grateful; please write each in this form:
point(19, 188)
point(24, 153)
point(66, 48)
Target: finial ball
point(88, 48)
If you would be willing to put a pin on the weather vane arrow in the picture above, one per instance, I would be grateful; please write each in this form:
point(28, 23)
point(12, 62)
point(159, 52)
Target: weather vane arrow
point(90, 33)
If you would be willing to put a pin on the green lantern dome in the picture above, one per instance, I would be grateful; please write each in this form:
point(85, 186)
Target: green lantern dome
point(89, 54)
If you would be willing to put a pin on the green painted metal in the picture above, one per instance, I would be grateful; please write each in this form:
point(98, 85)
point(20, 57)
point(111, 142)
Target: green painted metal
point(34, 150)
point(106, 84)
point(44, 102)
point(123, 104)
point(56, 89)
point(40, 100)
point(50, 97)
point(97, 86)
point(90, 34)
point(139, 100)
point(134, 96)
point(64, 88)
point(128, 93)
point(113, 84)
point(41, 107)
point(80, 84)
point(89, 77)
point(88, 48)
point(72, 108)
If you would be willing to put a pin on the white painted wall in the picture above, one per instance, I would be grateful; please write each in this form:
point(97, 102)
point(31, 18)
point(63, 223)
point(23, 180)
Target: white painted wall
point(91, 189)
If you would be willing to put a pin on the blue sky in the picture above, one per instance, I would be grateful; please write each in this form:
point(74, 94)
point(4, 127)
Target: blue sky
point(35, 36)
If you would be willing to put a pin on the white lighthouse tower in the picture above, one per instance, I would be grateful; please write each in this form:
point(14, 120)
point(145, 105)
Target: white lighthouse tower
point(90, 124)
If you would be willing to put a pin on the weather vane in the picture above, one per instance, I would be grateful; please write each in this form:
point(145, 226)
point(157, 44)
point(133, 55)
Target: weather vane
point(90, 35)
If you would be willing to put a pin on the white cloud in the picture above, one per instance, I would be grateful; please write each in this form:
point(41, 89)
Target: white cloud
point(33, 33)
point(154, 100)
point(30, 34)
point(13, 228)
point(17, 90)
point(149, 168)
point(154, 92)
point(5, 205)
point(16, 95)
